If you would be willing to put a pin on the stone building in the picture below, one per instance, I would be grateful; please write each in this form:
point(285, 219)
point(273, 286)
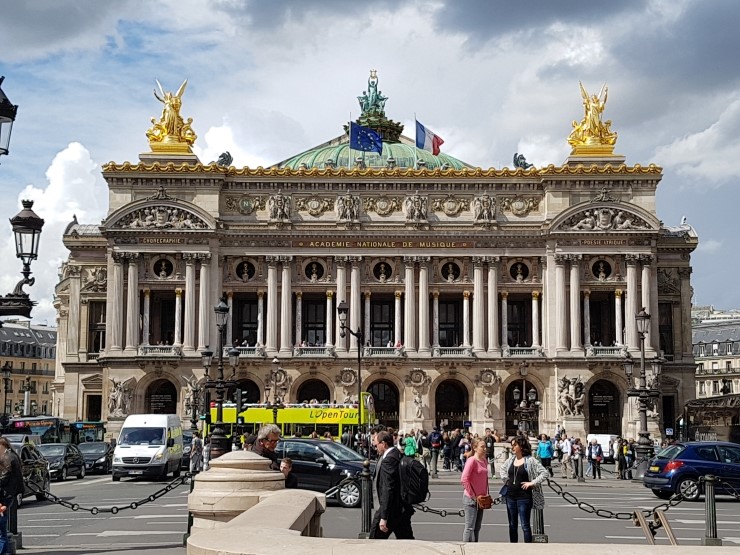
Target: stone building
point(717, 354)
point(499, 297)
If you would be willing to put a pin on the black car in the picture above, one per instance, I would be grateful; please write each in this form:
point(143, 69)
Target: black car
point(64, 459)
point(678, 467)
point(35, 470)
point(320, 464)
point(98, 456)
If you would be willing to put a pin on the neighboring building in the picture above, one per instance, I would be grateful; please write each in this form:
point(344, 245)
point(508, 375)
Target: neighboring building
point(473, 287)
point(717, 353)
point(30, 353)
point(710, 314)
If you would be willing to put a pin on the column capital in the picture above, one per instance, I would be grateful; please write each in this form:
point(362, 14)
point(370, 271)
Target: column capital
point(118, 257)
point(478, 260)
point(131, 256)
point(535, 295)
point(299, 295)
point(147, 291)
point(368, 294)
point(397, 294)
point(330, 294)
point(435, 293)
point(203, 256)
point(617, 292)
point(355, 260)
point(560, 259)
point(574, 257)
point(409, 260)
point(189, 258)
point(646, 259)
point(423, 259)
point(73, 270)
point(504, 295)
point(285, 259)
point(466, 294)
point(586, 292)
point(631, 259)
point(493, 260)
point(272, 260)
point(260, 294)
point(178, 292)
point(229, 294)
point(341, 259)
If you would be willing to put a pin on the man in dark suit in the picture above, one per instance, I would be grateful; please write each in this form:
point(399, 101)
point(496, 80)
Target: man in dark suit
point(393, 515)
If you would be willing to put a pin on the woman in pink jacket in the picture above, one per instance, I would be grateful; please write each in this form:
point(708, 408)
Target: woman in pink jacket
point(474, 480)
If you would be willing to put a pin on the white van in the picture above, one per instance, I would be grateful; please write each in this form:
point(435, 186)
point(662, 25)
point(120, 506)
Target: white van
point(607, 442)
point(148, 445)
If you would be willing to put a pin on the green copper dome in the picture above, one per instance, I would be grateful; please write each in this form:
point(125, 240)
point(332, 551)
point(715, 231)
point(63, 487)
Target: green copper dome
point(404, 154)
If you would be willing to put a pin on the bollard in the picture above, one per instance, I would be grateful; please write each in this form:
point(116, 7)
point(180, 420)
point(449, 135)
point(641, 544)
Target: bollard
point(579, 466)
point(538, 526)
point(366, 500)
point(710, 512)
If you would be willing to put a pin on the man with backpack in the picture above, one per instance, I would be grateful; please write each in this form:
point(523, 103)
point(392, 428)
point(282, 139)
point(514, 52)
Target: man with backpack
point(393, 515)
point(435, 444)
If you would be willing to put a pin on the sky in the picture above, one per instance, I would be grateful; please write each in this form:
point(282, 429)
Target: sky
point(269, 79)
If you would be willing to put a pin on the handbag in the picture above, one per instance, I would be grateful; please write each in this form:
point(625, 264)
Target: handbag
point(483, 501)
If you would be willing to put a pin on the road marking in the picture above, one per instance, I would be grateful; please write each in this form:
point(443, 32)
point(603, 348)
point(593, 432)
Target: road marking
point(148, 516)
point(642, 538)
point(702, 521)
point(113, 533)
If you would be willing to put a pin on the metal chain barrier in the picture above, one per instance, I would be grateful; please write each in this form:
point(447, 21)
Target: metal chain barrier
point(606, 513)
point(445, 513)
point(114, 509)
point(729, 488)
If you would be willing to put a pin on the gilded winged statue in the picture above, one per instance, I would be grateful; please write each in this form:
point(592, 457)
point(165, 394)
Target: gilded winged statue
point(591, 130)
point(171, 128)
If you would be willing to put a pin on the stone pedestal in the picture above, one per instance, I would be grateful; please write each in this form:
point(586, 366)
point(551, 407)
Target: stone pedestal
point(575, 426)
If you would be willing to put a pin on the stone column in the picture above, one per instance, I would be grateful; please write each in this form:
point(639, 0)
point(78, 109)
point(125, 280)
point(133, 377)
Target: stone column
point(409, 331)
point(587, 318)
point(178, 317)
point(504, 319)
point(632, 307)
point(109, 271)
point(366, 326)
point(397, 340)
point(116, 290)
point(341, 262)
point(286, 310)
point(189, 334)
point(654, 308)
point(424, 306)
point(73, 321)
point(145, 325)
point(84, 329)
point(435, 318)
point(619, 323)
point(493, 343)
point(466, 319)
point(230, 319)
point(479, 327)
point(329, 318)
point(132, 303)
point(299, 317)
point(272, 305)
point(261, 318)
point(560, 306)
point(535, 318)
point(576, 345)
point(205, 308)
point(355, 305)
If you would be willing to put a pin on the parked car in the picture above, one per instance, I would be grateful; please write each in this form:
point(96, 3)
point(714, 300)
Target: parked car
point(64, 459)
point(319, 465)
point(35, 470)
point(98, 456)
point(187, 442)
point(678, 467)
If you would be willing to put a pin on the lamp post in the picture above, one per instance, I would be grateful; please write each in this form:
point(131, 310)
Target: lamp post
point(7, 372)
point(27, 230)
point(27, 396)
point(194, 406)
point(644, 395)
point(342, 310)
point(220, 444)
point(527, 405)
point(8, 112)
point(279, 388)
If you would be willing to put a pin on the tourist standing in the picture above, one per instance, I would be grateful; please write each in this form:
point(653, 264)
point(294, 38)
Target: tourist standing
point(474, 480)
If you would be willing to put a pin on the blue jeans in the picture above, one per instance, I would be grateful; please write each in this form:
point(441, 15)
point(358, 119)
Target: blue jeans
point(519, 509)
point(4, 526)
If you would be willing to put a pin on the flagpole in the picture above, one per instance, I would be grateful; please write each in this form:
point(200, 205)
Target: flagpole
point(349, 159)
point(416, 132)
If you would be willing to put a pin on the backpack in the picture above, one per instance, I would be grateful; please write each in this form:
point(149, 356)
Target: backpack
point(419, 447)
point(414, 481)
point(435, 438)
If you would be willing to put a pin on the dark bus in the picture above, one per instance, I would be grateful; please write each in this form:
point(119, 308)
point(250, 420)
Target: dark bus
point(711, 419)
point(89, 431)
point(49, 428)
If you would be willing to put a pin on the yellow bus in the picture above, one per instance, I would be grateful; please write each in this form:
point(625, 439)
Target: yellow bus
point(299, 419)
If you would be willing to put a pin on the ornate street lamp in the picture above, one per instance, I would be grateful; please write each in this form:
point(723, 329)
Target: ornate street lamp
point(27, 230)
point(220, 444)
point(644, 395)
point(26, 389)
point(342, 311)
point(527, 405)
point(278, 385)
point(8, 112)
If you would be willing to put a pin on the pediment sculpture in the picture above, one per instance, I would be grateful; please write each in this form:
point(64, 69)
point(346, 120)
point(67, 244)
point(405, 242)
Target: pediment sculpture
point(484, 209)
point(415, 207)
point(348, 207)
point(161, 217)
point(605, 219)
point(279, 207)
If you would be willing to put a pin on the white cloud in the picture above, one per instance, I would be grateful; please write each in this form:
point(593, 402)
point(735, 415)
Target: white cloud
point(709, 246)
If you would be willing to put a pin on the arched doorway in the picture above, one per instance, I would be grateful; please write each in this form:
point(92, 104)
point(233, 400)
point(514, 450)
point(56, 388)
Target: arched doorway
point(161, 397)
point(385, 395)
point(522, 408)
point(313, 389)
point(451, 404)
point(604, 409)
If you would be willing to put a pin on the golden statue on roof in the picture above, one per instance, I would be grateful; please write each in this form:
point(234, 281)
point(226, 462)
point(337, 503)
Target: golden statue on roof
point(592, 136)
point(171, 133)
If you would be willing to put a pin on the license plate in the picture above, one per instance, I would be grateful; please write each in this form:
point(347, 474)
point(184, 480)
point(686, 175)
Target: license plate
point(654, 469)
point(136, 472)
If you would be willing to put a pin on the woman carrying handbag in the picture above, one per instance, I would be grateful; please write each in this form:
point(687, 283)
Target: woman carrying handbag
point(476, 498)
point(522, 475)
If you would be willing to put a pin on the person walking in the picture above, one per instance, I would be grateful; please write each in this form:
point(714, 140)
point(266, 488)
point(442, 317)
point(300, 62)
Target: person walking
point(474, 480)
point(435, 444)
point(446, 451)
point(621, 460)
point(595, 455)
point(566, 466)
point(196, 453)
point(545, 452)
point(392, 516)
point(521, 473)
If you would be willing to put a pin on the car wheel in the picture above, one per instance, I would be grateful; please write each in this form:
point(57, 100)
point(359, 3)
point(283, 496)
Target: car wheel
point(81, 475)
point(662, 494)
point(349, 495)
point(116, 478)
point(62, 474)
point(46, 487)
point(689, 489)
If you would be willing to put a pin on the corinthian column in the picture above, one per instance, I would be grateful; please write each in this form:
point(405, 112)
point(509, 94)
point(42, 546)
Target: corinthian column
point(272, 305)
point(435, 318)
point(479, 327)
point(505, 319)
point(409, 330)
point(299, 317)
point(561, 343)
point(493, 343)
point(132, 303)
point(145, 317)
point(535, 319)
point(286, 310)
point(205, 308)
point(466, 319)
point(632, 301)
point(230, 319)
point(116, 292)
point(366, 325)
point(355, 305)
point(73, 323)
point(619, 323)
point(397, 340)
point(178, 318)
point(189, 334)
point(424, 305)
point(261, 318)
point(576, 346)
point(341, 262)
point(329, 318)
point(587, 318)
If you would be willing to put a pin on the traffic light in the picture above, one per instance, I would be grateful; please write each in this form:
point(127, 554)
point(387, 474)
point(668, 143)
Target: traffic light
point(241, 401)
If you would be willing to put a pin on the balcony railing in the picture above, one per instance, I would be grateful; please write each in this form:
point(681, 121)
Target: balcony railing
point(452, 351)
point(521, 351)
point(93, 356)
point(313, 351)
point(160, 350)
point(598, 351)
point(383, 352)
point(256, 351)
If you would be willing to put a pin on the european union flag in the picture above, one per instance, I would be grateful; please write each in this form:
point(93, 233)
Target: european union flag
point(364, 138)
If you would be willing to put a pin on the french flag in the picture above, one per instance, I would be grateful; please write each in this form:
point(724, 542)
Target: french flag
point(427, 140)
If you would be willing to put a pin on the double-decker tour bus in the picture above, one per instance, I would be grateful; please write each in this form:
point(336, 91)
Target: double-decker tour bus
point(50, 429)
point(711, 419)
point(300, 418)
